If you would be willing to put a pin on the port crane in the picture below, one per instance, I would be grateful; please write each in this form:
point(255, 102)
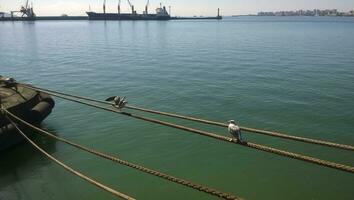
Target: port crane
point(26, 10)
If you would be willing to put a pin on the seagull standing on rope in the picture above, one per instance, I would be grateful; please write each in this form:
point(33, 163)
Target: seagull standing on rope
point(235, 131)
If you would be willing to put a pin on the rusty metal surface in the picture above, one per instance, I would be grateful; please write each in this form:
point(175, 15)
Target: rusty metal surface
point(20, 100)
point(10, 97)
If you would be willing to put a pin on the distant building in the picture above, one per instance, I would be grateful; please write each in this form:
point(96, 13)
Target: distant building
point(315, 12)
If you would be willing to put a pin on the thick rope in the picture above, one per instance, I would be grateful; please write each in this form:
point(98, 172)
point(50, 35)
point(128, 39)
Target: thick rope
point(220, 137)
point(252, 130)
point(76, 173)
point(132, 165)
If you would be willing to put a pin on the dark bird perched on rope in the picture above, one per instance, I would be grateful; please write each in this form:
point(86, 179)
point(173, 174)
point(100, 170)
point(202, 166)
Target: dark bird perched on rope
point(117, 101)
point(122, 103)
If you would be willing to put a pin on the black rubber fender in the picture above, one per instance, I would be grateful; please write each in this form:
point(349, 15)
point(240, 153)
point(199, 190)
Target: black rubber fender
point(47, 98)
point(40, 111)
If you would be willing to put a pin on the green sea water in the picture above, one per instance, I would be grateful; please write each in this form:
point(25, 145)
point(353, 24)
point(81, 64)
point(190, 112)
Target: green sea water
point(291, 74)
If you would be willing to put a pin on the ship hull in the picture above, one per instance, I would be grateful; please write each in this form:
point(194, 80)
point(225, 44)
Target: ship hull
point(126, 16)
point(30, 105)
point(17, 18)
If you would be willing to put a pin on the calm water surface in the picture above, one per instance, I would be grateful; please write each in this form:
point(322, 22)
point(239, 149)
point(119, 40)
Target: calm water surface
point(294, 75)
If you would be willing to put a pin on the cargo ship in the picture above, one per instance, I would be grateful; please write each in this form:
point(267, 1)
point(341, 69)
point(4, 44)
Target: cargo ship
point(161, 14)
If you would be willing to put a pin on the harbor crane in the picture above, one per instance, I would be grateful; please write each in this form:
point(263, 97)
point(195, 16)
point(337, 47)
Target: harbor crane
point(26, 10)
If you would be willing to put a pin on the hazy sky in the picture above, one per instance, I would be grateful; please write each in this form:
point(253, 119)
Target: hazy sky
point(179, 7)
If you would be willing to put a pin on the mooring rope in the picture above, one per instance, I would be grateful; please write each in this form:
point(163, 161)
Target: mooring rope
point(209, 122)
point(132, 165)
point(252, 130)
point(66, 167)
point(219, 137)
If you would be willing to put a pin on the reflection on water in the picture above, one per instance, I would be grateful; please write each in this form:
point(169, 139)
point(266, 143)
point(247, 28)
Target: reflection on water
point(286, 74)
point(21, 162)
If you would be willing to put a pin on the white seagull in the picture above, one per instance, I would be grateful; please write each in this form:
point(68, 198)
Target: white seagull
point(234, 130)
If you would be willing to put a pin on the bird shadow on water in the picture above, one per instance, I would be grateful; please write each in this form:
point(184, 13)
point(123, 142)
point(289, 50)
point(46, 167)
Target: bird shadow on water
point(22, 162)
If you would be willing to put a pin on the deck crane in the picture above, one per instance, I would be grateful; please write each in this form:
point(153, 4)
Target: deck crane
point(119, 2)
point(146, 7)
point(104, 6)
point(132, 7)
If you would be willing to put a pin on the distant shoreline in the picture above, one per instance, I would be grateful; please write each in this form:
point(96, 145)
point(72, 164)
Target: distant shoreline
point(284, 16)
